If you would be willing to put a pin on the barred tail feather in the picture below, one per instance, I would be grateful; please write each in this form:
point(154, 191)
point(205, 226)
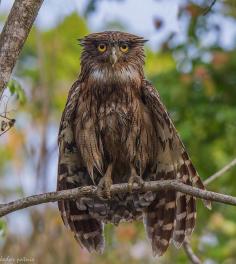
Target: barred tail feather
point(153, 221)
point(168, 223)
point(159, 222)
point(191, 215)
point(181, 217)
point(186, 208)
point(87, 230)
point(160, 218)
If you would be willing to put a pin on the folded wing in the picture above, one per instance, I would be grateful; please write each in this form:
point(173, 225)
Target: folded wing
point(173, 214)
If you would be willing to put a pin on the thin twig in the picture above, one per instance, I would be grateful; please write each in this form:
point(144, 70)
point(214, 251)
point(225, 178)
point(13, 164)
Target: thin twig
point(208, 9)
point(220, 172)
point(116, 188)
point(191, 255)
point(4, 116)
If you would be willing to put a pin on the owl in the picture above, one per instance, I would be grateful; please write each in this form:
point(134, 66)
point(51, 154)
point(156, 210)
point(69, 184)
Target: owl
point(115, 129)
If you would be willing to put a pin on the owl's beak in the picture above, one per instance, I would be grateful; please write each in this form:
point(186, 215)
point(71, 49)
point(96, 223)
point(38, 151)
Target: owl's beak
point(113, 56)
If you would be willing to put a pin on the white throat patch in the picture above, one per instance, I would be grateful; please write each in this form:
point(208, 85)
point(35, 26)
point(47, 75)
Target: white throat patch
point(108, 76)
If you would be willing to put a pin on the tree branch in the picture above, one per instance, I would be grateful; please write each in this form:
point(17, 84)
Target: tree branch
point(14, 34)
point(191, 255)
point(116, 188)
point(208, 9)
point(220, 172)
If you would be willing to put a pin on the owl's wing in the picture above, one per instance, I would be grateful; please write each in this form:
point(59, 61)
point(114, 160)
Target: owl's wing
point(71, 174)
point(171, 215)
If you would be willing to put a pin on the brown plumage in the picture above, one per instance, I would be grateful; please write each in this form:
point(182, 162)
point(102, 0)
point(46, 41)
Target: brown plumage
point(115, 129)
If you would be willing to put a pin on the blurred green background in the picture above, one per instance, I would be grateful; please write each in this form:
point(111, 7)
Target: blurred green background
point(191, 60)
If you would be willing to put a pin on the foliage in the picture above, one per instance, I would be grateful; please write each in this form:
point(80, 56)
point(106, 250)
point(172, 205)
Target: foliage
point(2, 228)
point(15, 88)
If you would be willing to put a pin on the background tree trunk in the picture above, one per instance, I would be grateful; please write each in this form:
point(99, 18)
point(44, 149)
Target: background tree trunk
point(14, 34)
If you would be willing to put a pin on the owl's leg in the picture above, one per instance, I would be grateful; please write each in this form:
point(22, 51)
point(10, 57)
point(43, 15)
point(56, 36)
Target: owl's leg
point(104, 185)
point(135, 180)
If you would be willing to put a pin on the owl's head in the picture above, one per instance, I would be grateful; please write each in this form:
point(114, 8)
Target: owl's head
point(112, 55)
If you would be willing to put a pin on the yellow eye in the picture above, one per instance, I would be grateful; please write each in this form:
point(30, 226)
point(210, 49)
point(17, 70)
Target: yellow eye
point(124, 47)
point(102, 47)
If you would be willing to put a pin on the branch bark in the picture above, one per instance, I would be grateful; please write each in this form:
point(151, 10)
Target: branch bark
point(116, 188)
point(208, 9)
point(14, 35)
point(220, 172)
point(191, 255)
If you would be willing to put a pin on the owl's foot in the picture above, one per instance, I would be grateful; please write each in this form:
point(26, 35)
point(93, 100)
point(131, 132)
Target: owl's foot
point(135, 181)
point(104, 185)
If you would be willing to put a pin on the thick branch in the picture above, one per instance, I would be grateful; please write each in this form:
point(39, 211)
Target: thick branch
point(116, 188)
point(14, 34)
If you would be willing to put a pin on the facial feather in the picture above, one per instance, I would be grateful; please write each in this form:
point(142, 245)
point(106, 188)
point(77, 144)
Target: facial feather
point(109, 76)
point(98, 65)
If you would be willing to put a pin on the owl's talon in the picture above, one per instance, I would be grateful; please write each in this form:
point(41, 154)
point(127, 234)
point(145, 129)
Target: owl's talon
point(104, 185)
point(104, 189)
point(135, 183)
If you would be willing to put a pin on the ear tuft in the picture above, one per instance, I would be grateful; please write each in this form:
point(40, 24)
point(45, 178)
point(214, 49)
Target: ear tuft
point(141, 41)
point(81, 41)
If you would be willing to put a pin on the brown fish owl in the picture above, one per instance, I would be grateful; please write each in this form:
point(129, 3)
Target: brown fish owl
point(115, 129)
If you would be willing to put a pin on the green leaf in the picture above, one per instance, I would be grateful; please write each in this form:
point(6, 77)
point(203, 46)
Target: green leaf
point(11, 86)
point(16, 89)
point(3, 228)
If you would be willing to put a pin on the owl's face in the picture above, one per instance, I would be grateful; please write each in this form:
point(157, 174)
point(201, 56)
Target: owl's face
point(112, 55)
